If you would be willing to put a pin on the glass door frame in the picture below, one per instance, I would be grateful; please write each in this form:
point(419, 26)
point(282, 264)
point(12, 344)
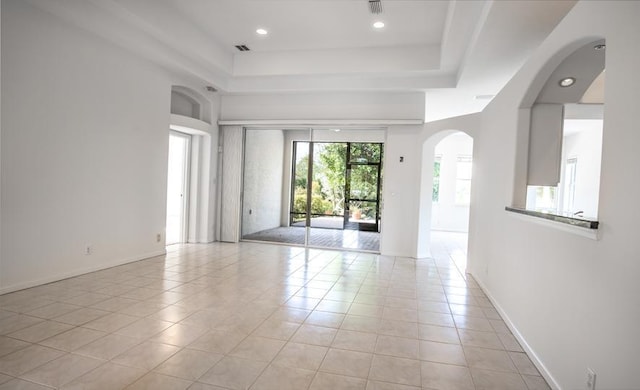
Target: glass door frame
point(309, 193)
point(348, 199)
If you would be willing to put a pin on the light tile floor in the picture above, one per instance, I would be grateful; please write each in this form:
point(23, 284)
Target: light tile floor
point(260, 316)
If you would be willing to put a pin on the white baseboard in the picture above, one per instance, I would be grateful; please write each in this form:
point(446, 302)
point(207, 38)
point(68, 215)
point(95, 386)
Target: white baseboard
point(82, 271)
point(527, 348)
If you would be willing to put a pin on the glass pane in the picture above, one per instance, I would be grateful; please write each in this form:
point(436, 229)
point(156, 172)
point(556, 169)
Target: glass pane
point(265, 210)
point(570, 185)
point(362, 212)
point(263, 180)
point(365, 153)
point(435, 195)
point(364, 182)
point(542, 198)
point(463, 191)
point(328, 187)
point(464, 167)
point(301, 168)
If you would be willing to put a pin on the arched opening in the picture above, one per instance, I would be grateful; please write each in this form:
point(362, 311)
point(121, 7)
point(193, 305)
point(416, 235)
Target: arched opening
point(445, 198)
point(561, 128)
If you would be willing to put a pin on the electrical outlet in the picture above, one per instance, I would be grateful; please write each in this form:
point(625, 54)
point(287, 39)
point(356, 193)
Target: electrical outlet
point(158, 237)
point(591, 379)
point(88, 249)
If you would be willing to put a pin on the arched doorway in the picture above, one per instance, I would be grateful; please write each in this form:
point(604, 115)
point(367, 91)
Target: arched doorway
point(445, 199)
point(451, 196)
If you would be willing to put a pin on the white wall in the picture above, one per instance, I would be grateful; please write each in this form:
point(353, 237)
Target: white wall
point(0, 143)
point(332, 106)
point(586, 147)
point(401, 192)
point(262, 185)
point(84, 150)
point(446, 213)
point(352, 60)
point(574, 301)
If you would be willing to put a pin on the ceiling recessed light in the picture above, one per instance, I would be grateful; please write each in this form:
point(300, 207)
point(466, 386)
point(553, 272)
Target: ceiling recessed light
point(378, 24)
point(336, 130)
point(601, 46)
point(261, 31)
point(567, 82)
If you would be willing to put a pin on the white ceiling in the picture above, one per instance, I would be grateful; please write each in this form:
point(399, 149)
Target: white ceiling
point(314, 25)
point(451, 50)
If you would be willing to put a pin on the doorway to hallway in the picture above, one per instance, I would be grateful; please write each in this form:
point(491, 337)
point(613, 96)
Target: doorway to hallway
point(451, 196)
point(178, 187)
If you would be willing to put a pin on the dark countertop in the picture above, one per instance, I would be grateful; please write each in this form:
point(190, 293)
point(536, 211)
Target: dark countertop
point(573, 220)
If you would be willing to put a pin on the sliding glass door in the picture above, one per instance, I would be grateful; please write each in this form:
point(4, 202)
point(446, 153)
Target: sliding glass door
point(319, 187)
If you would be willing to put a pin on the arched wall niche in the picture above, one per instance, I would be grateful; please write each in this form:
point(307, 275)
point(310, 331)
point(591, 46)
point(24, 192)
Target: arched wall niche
point(187, 102)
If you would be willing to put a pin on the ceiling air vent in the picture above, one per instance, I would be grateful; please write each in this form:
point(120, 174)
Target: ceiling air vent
point(375, 6)
point(242, 47)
